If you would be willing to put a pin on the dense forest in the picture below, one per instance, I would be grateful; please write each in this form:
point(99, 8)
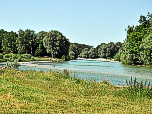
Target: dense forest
point(136, 48)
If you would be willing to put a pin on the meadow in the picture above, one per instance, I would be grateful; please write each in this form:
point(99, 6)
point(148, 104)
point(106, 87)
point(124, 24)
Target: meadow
point(54, 92)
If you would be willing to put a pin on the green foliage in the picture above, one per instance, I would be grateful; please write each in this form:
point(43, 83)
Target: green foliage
point(1, 56)
point(12, 65)
point(65, 57)
point(85, 53)
point(27, 56)
point(32, 58)
point(41, 50)
point(9, 42)
point(25, 41)
point(7, 55)
point(98, 49)
point(72, 55)
point(15, 56)
point(6, 50)
point(136, 90)
point(137, 45)
point(56, 44)
point(109, 50)
point(108, 58)
point(73, 51)
point(80, 47)
point(147, 49)
point(117, 57)
point(2, 34)
point(92, 53)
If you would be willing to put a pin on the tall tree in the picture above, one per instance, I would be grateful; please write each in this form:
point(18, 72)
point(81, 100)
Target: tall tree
point(84, 53)
point(100, 49)
point(25, 41)
point(2, 34)
point(40, 49)
point(92, 53)
point(147, 47)
point(9, 42)
point(74, 50)
point(56, 44)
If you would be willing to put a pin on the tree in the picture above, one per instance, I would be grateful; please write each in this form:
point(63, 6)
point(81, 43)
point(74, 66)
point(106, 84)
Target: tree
point(9, 42)
point(2, 34)
point(72, 55)
point(146, 46)
point(74, 50)
point(108, 50)
point(134, 39)
point(142, 19)
point(56, 44)
point(25, 41)
point(84, 53)
point(100, 49)
point(92, 53)
point(40, 49)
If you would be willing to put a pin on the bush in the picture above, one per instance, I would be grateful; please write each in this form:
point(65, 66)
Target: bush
point(32, 58)
point(15, 56)
point(1, 56)
point(108, 58)
point(117, 57)
point(27, 56)
point(12, 65)
point(1, 60)
point(65, 57)
point(7, 55)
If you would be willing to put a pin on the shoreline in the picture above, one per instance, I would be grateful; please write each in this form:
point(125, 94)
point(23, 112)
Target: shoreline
point(33, 65)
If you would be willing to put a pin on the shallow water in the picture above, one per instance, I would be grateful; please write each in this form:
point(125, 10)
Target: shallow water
point(115, 72)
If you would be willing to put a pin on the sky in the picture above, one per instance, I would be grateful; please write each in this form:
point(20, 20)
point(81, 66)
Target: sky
point(89, 22)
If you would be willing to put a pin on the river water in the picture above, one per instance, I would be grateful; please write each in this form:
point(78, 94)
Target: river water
point(115, 72)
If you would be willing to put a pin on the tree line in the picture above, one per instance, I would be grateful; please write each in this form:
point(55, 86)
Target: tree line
point(136, 48)
point(52, 43)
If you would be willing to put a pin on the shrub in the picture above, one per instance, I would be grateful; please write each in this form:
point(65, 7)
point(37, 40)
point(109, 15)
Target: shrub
point(117, 57)
point(12, 65)
point(27, 56)
point(15, 56)
point(1, 56)
point(32, 58)
point(108, 58)
point(65, 57)
point(7, 55)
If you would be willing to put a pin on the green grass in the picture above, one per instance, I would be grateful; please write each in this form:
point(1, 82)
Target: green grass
point(35, 59)
point(39, 92)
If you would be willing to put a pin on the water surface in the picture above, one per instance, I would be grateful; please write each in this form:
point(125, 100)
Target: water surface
point(115, 72)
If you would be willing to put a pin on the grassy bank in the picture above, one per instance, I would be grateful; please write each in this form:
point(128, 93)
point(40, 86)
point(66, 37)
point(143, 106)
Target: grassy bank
point(31, 91)
point(35, 59)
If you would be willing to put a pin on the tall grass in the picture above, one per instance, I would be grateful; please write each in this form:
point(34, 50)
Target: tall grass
point(136, 90)
point(55, 92)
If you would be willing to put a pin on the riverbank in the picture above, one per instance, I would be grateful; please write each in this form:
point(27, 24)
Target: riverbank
point(39, 92)
point(98, 59)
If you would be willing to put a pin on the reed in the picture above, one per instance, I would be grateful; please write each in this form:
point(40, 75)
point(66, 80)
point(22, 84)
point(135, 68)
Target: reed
point(137, 91)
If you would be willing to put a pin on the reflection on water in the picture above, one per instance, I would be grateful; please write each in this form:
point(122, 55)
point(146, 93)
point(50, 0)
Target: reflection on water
point(115, 72)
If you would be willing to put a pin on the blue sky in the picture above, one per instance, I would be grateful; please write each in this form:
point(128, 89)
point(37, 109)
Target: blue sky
point(89, 22)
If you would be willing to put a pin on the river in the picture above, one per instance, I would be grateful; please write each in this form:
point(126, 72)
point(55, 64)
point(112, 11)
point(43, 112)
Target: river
point(115, 72)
